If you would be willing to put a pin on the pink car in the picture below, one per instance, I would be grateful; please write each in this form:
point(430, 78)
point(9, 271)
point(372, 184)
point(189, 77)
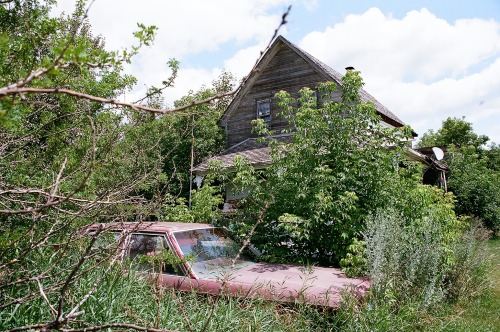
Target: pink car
point(205, 262)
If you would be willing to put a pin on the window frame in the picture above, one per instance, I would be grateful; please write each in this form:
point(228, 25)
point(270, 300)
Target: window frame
point(182, 270)
point(267, 118)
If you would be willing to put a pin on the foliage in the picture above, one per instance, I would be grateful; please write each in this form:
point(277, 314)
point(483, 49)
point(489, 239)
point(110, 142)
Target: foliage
point(354, 262)
point(157, 262)
point(418, 273)
point(325, 180)
point(492, 156)
point(67, 160)
point(175, 143)
point(474, 173)
point(478, 310)
point(205, 207)
point(410, 257)
point(453, 131)
point(54, 144)
point(476, 186)
point(72, 154)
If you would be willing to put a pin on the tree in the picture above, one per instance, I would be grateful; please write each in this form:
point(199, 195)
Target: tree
point(72, 154)
point(322, 185)
point(474, 174)
point(475, 185)
point(492, 153)
point(453, 131)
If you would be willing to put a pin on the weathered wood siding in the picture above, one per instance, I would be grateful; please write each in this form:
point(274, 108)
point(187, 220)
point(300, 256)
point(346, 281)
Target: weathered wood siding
point(286, 71)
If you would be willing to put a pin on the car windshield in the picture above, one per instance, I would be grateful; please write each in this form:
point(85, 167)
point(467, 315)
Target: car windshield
point(210, 251)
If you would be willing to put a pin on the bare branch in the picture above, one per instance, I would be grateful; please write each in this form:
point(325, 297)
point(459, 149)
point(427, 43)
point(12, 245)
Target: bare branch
point(282, 23)
point(19, 91)
point(252, 231)
point(69, 279)
point(43, 326)
point(42, 293)
point(27, 327)
point(96, 283)
point(183, 312)
point(58, 180)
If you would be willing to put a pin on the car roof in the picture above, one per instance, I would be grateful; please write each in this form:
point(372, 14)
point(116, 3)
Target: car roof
point(152, 226)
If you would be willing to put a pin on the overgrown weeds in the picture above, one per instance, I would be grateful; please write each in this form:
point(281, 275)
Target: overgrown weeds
point(417, 273)
point(124, 296)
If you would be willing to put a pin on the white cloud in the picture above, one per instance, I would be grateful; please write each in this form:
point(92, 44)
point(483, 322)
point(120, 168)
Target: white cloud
point(243, 61)
point(184, 28)
point(421, 67)
point(187, 26)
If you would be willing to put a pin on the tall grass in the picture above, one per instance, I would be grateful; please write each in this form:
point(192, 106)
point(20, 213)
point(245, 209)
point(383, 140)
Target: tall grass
point(414, 266)
point(415, 271)
point(127, 297)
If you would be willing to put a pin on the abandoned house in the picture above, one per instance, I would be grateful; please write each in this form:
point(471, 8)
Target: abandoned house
point(284, 66)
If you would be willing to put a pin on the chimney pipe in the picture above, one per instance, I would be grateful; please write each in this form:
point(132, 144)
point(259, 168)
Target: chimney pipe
point(349, 68)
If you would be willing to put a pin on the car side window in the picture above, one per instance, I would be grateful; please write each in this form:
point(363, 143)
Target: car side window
point(107, 242)
point(151, 253)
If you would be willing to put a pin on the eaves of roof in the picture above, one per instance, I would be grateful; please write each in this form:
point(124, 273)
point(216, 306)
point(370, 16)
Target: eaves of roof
point(258, 155)
point(418, 156)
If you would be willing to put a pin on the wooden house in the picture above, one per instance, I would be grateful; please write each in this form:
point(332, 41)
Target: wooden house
point(284, 66)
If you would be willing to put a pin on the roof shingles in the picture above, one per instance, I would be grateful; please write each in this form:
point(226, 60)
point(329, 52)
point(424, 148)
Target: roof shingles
point(256, 153)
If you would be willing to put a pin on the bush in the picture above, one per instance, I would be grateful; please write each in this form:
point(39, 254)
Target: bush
point(405, 258)
point(414, 265)
point(476, 187)
point(325, 178)
point(426, 259)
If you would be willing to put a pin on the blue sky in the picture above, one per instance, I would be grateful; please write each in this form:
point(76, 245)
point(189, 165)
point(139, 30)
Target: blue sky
point(424, 60)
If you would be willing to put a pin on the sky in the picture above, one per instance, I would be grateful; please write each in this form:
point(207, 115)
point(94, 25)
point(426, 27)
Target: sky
point(424, 60)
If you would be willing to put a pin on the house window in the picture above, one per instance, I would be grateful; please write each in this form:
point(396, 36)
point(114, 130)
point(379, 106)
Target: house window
point(315, 97)
point(264, 110)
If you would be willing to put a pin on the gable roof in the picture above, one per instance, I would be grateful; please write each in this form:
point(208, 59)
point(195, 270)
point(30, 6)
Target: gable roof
point(324, 70)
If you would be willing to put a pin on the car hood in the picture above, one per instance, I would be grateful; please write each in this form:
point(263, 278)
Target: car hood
point(287, 282)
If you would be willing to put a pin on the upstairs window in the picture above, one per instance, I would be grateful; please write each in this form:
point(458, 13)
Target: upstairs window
point(264, 111)
point(315, 98)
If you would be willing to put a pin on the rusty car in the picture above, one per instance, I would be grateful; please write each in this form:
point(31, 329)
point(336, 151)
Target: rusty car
point(208, 261)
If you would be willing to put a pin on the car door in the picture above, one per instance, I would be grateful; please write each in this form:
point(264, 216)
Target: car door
point(151, 253)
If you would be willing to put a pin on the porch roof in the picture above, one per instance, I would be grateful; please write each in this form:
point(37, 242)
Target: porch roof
point(256, 153)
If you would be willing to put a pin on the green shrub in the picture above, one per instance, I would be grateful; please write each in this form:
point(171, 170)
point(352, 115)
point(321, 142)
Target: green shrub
point(412, 251)
point(414, 266)
point(405, 259)
point(325, 178)
point(476, 186)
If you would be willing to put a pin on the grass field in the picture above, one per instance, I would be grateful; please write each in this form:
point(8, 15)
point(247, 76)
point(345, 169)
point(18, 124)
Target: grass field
point(133, 300)
point(479, 313)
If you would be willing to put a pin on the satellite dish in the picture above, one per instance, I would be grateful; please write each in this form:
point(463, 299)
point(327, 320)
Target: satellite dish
point(438, 153)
